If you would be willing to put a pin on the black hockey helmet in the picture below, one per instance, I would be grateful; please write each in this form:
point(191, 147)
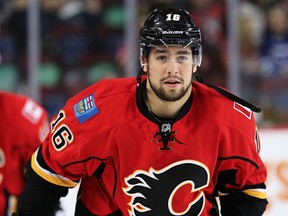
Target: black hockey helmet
point(170, 26)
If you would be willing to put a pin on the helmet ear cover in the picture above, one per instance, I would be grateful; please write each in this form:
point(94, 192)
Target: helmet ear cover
point(170, 27)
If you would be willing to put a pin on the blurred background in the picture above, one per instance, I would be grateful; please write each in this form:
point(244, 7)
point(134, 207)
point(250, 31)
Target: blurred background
point(52, 49)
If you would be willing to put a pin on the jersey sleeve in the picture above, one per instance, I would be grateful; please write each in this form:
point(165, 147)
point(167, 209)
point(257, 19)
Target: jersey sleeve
point(241, 174)
point(65, 157)
point(24, 126)
point(34, 123)
point(28, 127)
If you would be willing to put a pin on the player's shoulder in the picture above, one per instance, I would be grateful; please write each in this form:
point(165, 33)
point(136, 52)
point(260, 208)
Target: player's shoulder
point(107, 88)
point(17, 99)
point(207, 95)
point(22, 113)
point(221, 105)
point(20, 103)
point(12, 97)
point(103, 99)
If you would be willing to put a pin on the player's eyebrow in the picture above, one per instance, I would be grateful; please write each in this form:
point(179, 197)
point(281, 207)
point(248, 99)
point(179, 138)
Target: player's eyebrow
point(161, 51)
point(179, 52)
point(183, 52)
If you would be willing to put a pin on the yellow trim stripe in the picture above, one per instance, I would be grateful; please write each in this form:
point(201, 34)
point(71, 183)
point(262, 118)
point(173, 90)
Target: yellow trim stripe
point(261, 194)
point(12, 204)
point(50, 177)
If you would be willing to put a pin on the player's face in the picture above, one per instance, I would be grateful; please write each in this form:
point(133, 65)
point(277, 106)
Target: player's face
point(169, 71)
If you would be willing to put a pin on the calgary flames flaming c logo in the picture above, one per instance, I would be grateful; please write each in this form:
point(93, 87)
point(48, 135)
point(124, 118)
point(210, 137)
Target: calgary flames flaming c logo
point(173, 190)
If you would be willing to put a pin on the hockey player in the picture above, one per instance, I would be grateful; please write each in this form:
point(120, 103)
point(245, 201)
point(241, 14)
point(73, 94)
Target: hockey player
point(24, 125)
point(164, 145)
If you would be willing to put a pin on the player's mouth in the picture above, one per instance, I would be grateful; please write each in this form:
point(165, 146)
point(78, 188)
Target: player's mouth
point(172, 83)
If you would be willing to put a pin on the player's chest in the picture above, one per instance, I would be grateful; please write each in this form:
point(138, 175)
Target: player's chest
point(146, 146)
point(161, 171)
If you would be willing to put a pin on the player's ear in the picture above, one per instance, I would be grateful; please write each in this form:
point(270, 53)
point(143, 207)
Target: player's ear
point(194, 68)
point(144, 64)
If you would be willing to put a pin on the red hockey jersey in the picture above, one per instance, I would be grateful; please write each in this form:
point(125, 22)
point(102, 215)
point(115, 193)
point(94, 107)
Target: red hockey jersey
point(24, 125)
point(130, 162)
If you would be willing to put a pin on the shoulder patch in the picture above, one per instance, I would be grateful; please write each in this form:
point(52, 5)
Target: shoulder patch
point(32, 111)
point(85, 109)
point(243, 110)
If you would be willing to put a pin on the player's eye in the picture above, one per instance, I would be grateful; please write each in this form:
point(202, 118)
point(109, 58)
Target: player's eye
point(162, 59)
point(182, 59)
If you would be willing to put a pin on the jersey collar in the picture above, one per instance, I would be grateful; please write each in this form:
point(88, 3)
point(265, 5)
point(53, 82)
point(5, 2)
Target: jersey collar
point(143, 108)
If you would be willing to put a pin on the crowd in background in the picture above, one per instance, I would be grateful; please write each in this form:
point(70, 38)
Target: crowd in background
point(83, 41)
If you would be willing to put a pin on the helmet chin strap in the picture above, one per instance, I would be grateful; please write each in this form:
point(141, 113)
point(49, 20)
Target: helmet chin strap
point(138, 78)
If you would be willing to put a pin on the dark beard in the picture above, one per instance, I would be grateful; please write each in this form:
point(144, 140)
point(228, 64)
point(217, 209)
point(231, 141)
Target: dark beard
point(172, 96)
